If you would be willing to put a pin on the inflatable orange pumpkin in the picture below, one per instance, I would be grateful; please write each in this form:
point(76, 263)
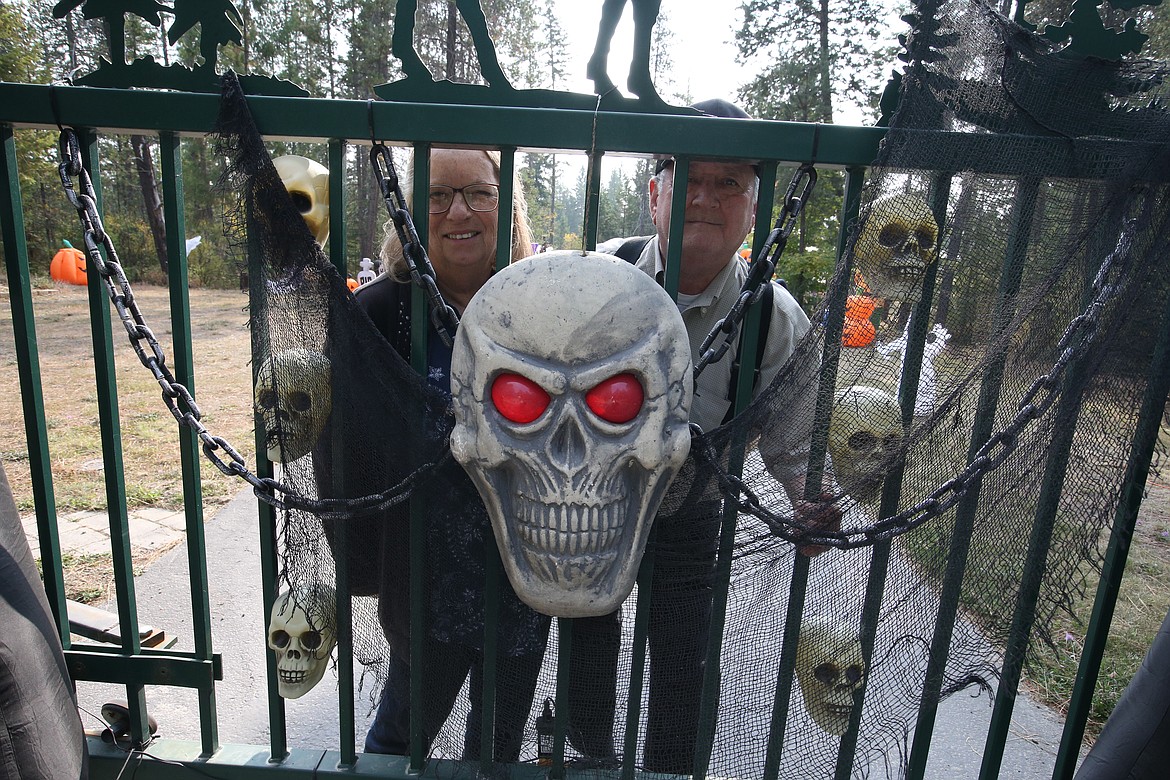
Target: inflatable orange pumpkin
point(351, 283)
point(68, 265)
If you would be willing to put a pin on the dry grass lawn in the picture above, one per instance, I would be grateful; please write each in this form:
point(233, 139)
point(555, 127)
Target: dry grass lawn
point(153, 476)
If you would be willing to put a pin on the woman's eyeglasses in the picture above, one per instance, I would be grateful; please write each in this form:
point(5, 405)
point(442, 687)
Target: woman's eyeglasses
point(478, 197)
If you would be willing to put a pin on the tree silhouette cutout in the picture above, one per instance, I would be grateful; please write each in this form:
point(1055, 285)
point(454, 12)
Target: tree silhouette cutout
point(114, 12)
point(220, 22)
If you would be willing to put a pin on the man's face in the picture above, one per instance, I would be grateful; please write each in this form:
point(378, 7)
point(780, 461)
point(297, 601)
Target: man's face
point(721, 209)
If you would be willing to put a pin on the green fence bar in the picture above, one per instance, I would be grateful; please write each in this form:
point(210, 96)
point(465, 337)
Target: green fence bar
point(110, 427)
point(345, 693)
point(266, 520)
point(892, 486)
point(418, 558)
point(1133, 488)
point(29, 371)
point(826, 383)
point(184, 371)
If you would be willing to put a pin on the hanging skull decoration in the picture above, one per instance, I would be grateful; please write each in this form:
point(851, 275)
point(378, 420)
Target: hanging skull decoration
point(307, 182)
point(830, 667)
point(897, 243)
point(302, 631)
point(293, 398)
point(865, 435)
point(571, 375)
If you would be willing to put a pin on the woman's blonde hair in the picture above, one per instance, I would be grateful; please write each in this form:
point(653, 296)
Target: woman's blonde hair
point(393, 262)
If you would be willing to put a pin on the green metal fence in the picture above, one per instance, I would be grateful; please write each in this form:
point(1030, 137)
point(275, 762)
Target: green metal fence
point(341, 124)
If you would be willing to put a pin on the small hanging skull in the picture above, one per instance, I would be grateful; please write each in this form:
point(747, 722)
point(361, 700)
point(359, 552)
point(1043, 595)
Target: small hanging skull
point(865, 435)
point(897, 242)
point(293, 398)
point(829, 667)
point(571, 375)
point(307, 182)
point(302, 631)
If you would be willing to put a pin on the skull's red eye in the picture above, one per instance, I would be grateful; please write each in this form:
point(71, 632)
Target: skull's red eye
point(617, 399)
point(518, 398)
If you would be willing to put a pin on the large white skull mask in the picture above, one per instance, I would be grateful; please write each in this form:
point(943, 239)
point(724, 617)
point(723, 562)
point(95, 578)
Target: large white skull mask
point(897, 242)
point(572, 381)
point(865, 435)
point(302, 631)
point(293, 398)
point(307, 182)
point(829, 667)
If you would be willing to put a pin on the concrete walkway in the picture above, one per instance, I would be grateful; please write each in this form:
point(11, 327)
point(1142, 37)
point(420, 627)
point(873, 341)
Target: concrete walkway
point(88, 533)
point(239, 631)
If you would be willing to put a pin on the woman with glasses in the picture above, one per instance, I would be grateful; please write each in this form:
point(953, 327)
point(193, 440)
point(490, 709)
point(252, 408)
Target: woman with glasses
point(463, 206)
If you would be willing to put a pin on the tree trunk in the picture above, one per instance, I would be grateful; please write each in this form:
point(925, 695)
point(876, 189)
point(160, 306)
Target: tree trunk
point(452, 20)
point(825, 60)
point(144, 162)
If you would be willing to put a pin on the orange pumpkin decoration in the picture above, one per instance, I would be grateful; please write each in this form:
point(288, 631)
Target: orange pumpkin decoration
point(351, 283)
point(859, 307)
point(858, 331)
point(68, 265)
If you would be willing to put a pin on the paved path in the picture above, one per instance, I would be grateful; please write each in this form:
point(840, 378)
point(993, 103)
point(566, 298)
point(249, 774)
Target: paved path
point(239, 634)
point(88, 533)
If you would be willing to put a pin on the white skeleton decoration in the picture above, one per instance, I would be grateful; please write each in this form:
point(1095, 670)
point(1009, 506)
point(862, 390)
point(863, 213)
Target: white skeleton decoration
point(571, 375)
point(302, 632)
point(830, 667)
point(293, 398)
point(936, 341)
point(897, 243)
point(865, 434)
point(307, 182)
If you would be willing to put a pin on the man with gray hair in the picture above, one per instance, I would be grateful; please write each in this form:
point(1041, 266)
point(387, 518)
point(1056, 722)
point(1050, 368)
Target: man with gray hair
point(720, 212)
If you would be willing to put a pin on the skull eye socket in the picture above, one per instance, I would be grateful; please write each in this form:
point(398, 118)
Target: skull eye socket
point(280, 638)
point(826, 673)
point(300, 401)
point(617, 399)
point(853, 675)
point(925, 239)
point(302, 202)
point(892, 442)
point(518, 398)
point(311, 640)
point(893, 235)
point(863, 440)
point(266, 399)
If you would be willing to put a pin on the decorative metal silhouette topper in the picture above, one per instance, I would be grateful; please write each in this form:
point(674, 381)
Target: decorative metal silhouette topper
point(638, 81)
point(219, 21)
point(418, 83)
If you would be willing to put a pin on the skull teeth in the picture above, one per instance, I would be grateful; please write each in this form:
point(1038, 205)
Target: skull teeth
point(569, 529)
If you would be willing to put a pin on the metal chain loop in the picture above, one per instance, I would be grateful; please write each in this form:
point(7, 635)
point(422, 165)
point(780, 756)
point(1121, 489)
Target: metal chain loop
point(178, 399)
point(763, 265)
point(422, 273)
point(1040, 396)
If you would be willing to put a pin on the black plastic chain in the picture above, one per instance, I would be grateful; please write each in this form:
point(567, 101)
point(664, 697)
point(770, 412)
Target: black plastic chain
point(443, 316)
point(178, 399)
point(1035, 402)
point(763, 266)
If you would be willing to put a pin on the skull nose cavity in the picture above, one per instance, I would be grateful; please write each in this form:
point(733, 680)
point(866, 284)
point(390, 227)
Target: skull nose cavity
point(567, 450)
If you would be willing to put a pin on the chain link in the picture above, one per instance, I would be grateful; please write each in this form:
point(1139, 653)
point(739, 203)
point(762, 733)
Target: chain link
point(178, 399)
point(1040, 396)
point(443, 316)
point(762, 267)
